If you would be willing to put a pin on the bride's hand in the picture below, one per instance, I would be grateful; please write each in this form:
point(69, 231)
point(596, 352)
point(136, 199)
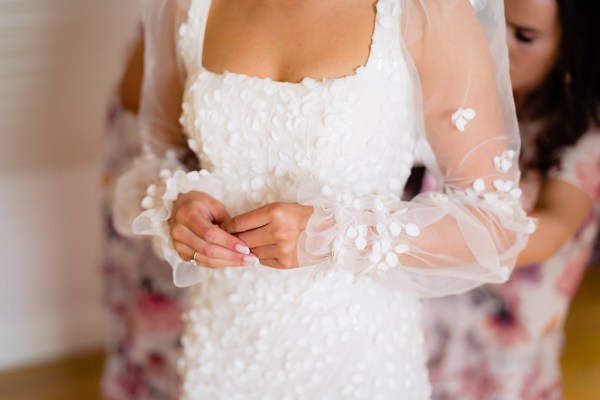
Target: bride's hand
point(196, 233)
point(272, 232)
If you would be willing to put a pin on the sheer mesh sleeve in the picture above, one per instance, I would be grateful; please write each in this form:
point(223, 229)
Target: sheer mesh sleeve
point(145, 194)
point(471, 232)
point(164, 78)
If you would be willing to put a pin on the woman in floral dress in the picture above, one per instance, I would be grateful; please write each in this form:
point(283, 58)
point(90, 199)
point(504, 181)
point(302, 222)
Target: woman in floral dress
point(505, 341)
point(143, 304)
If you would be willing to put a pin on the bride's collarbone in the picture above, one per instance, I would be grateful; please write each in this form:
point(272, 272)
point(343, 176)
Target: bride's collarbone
point(259, 39)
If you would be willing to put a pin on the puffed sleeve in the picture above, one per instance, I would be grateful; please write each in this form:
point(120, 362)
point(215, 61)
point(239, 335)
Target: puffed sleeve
point(145, 194)
point(471, 231)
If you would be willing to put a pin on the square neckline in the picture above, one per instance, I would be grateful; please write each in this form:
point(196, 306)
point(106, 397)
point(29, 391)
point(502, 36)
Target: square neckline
point(305, 80)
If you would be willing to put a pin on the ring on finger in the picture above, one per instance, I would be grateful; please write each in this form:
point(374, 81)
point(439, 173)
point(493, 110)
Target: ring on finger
point(194, 261)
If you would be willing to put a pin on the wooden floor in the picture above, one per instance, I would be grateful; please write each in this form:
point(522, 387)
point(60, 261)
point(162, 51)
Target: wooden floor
point(74, 379)
point(78, 378)
point(581, 359)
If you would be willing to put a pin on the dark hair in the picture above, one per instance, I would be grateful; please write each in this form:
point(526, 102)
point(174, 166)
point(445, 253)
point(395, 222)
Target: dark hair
point(568, 100)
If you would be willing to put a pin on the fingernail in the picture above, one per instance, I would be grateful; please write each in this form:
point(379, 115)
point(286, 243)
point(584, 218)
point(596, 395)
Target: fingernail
point(249, 261)
point(242, 249)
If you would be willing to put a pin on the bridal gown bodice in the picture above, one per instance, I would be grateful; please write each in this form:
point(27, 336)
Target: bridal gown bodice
point(261, 333)
point(263, 137)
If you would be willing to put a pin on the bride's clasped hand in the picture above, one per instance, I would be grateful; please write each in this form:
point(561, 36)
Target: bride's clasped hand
point(202, 230)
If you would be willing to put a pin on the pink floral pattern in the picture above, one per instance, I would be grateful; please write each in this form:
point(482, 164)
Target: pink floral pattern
point(503, 325)
point(478, 380)
point(505, 341)
point(144, 306)
point(570, 278)
point(589, 178)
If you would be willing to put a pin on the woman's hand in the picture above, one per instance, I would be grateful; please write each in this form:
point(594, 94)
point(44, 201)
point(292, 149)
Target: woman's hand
point(197, 236)
point(272, 232)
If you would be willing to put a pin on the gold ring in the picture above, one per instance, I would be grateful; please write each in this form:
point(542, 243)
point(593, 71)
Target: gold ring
point(193, 260)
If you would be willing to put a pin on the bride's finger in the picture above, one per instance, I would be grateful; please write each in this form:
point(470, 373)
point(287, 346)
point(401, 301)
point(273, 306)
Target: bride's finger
point(210, 250)
point(271, 262)
point(211, 233)
point(219, 263)
point(248, 221)
point(276, 263)
point(187, 253)
point(266, 252)
point(262, 236)
point(276, 257)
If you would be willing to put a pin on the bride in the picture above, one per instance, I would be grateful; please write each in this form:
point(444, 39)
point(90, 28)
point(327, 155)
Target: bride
point(279, 137)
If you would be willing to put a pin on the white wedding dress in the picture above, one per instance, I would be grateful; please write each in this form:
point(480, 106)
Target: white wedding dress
point(347, 324)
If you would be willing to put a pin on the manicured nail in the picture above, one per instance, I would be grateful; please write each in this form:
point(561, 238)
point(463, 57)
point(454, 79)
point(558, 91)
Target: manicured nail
point(242, 249)
point(250, 261)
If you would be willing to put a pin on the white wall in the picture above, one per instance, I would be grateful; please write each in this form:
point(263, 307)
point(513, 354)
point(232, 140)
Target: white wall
point(59, 60)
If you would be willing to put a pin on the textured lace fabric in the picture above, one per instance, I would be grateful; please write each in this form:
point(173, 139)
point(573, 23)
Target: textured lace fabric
point(260, 333)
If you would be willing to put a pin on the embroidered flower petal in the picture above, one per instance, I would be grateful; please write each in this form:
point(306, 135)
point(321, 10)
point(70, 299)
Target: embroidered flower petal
point(479, 185)
point(352, 232)
point(395, 229)
point(461, 118)
point(391, 259)
point(360, 243)
point(412, 229)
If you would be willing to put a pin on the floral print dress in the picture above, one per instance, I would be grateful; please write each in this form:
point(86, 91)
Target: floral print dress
point(504, 342)
point(144, 306)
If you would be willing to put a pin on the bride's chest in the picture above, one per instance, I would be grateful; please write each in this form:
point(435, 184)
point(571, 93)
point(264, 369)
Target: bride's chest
point(353, 129)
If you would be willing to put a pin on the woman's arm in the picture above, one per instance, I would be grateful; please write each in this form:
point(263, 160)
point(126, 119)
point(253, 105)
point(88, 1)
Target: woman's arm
point(560, 211)
point(566, 199)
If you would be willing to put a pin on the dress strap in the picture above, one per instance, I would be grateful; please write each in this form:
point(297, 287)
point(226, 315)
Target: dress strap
point(384, 46)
